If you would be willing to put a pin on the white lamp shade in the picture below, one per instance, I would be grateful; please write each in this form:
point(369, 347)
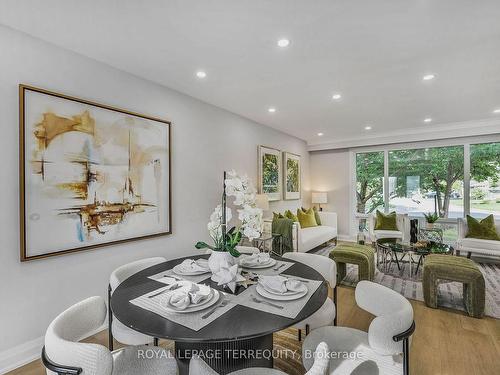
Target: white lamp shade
point(262, 202)
point(319, 198)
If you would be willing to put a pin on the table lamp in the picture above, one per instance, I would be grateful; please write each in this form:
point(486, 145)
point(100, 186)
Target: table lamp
point(319, 198)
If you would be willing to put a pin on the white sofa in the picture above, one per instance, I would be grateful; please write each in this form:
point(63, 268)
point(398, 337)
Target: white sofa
point(305, 239)
point(474, 245)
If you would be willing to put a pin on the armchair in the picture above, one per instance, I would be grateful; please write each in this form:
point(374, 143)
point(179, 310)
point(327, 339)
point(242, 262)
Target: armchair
point(403, 231)
point(475, 245)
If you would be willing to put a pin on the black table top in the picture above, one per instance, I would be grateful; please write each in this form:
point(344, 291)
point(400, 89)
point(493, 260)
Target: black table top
point(240, 322)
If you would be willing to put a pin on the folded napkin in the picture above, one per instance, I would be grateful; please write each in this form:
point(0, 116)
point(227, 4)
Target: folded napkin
point(228, 276)
point(190, 265)
point(191, 295)
point(255, 259)
point(280, 284)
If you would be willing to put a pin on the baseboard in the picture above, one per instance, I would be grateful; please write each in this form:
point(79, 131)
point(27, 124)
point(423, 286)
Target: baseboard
point(23, 354)
point(20, 355)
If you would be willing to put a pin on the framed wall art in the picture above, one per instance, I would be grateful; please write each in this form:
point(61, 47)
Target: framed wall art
point(90, 175)
point(292, 166)
point(270, 172)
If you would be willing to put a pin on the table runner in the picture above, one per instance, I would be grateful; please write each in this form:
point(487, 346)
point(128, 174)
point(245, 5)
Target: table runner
point(192, 320)
point(290, 308)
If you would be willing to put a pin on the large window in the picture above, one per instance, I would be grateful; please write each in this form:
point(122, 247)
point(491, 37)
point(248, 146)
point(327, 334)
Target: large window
point(369, 181)
point(452, 181)
point(427, 180)
point(485, 179)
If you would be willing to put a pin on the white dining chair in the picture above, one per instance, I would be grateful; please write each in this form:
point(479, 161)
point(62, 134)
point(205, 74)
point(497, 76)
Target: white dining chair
point(63, 353)
point(327, 314)
point(116, 329)
point(384, 349)
point(320, 358)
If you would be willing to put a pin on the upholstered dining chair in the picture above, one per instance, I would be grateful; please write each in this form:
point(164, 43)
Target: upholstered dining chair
point(383, 350)
point(319, 367)
point(116, 329)
point(327, 314)
point(63, 353)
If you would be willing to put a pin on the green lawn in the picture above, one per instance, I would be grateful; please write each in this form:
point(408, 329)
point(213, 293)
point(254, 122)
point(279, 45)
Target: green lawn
point(493, 206)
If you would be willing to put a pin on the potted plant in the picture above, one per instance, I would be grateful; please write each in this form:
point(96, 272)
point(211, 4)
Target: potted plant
point(431, 218)
point(225, 241)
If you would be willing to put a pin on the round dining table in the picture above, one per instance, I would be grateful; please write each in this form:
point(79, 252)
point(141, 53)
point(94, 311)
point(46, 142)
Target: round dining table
point(239, 329)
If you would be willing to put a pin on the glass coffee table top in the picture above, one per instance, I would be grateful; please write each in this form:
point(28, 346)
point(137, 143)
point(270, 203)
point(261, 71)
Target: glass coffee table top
point(418, 248)
point(408, 251)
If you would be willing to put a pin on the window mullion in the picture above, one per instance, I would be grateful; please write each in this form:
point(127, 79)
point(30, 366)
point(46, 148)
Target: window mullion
point(386, 181)
point(467, 163)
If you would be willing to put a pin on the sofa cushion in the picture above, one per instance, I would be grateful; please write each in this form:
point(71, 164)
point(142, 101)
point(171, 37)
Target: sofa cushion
point(316, 214)
point(315, 236)
point(306, 219)
point(387, 234)
point(484, 229)
point(386, 222)
point(476, 243)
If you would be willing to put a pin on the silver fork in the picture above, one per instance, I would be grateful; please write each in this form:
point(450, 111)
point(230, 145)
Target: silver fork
point(168, 288)
point(280, 266)
point(224, 303)
point(256, 300)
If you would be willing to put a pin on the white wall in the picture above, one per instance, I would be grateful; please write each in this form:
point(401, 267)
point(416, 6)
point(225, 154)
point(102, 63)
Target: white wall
point(330, 173)
point(205, 141)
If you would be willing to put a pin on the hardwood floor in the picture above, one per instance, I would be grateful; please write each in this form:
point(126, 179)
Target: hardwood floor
point(445, 341)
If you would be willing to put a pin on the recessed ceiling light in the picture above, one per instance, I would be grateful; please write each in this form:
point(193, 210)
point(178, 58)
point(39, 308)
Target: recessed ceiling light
point(320, 134)
point(496, 110)
point(283, 43)
point(201, 74)
point(336, 96)
point(368, 127)
point(427, 120)
point(271, 110)
point(429, 77)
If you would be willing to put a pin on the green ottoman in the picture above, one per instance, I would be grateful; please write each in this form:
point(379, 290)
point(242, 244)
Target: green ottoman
point(362, 255)
point(454, 268)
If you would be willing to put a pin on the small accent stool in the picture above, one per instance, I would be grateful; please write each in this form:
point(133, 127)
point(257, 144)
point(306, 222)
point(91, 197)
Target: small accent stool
point(454, 268)
point(361, 255)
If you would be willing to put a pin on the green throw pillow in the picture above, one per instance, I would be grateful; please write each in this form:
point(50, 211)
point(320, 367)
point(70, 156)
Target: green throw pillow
point(386, 222)
point(289, 214)
point(277, 216)
point(306, 219)
point(484, 229)
point(316, 216)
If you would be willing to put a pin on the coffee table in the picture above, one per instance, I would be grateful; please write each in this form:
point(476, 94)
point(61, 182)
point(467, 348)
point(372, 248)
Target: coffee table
point(415, 253)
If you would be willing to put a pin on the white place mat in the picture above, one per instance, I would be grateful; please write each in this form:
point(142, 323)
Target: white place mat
point(192, 320)
point(283, 266)
point(290, 308)
point(195, 279)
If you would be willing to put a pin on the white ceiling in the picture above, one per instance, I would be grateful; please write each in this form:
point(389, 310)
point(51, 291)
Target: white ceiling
point(374, 52)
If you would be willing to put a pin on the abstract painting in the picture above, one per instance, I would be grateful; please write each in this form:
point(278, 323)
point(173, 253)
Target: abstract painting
point(292, 175)
point(270, 172)
point(90, 175)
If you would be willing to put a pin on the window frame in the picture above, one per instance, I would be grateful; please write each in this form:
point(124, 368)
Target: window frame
point(466, 142)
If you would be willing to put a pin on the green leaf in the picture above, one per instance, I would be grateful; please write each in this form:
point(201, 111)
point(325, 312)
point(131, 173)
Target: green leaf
point(202, 245)
point(235, 253)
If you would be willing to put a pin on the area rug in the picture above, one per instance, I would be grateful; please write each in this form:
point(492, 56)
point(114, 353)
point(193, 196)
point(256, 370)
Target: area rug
point(450, 294)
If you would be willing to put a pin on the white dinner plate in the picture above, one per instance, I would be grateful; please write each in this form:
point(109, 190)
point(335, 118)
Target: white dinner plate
point(288, 292)
point(268, 264)
point(177, 269)
point(210, 301)
point(280, 297)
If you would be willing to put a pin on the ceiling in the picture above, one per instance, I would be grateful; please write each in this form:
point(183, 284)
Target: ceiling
point(374, 53)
